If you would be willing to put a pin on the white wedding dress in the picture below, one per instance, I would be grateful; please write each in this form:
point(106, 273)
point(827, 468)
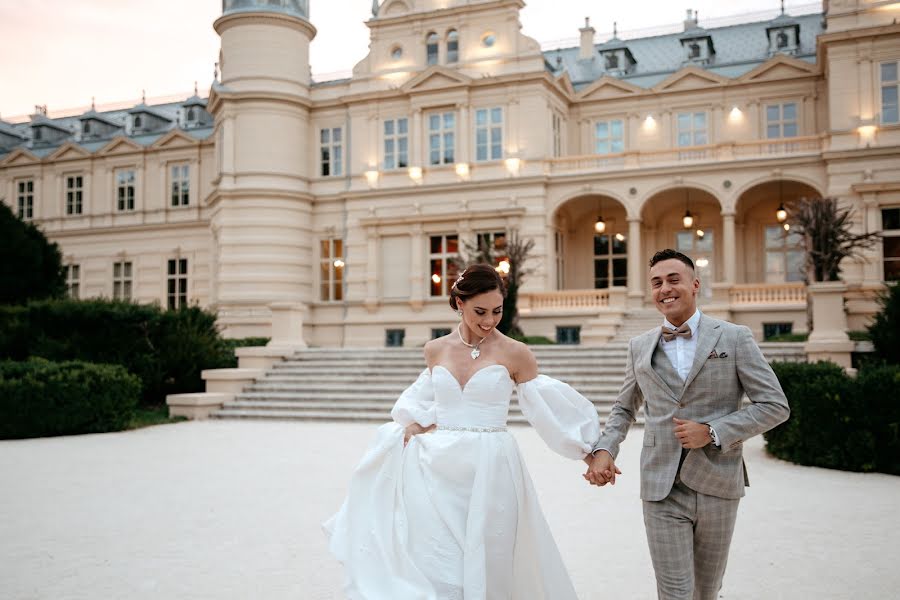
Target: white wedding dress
point(454, 515)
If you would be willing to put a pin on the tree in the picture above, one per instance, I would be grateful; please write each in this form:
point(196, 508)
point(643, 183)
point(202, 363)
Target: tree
point(885, 328)
point(31, 267)
point(515, 252)
point(828, 236)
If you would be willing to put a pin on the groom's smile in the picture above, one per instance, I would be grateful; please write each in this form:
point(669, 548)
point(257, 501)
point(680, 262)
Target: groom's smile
point(674, 287)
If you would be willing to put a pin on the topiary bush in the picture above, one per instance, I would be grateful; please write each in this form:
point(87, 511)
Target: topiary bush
point(885, 328)
point(32, 265)
point(838, 422)
point(40, 398)
point(166, 349)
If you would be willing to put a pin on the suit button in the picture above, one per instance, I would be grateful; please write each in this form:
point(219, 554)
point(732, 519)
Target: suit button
point(681, 405)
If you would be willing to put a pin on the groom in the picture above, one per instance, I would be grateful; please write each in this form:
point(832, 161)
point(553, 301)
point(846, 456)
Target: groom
point(692, 374)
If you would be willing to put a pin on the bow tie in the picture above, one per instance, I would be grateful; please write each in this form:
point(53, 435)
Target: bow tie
point(670, 334)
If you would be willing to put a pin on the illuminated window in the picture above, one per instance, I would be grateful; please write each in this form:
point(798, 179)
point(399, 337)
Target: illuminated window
point(610, 261)
point(444, 249)
point(331, 270)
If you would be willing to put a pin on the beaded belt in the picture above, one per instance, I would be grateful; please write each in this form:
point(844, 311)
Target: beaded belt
point(475, 429)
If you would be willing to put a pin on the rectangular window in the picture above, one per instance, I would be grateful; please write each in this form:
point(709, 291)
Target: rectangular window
point(568, 334)
point(692, 129)
point(25, 199)
point(122, 280)
point(443, 250)
point(771, 330)
point(889, 89)
point(781, 120)
point(396, 143)
point(440, 332)
point(890, 228)
point(74, 194)
point(73, 281)
point(125, 189)
point(393, 338)
point(784, 255)
point(609, 137)
point(491, 246)
point(177, 283)
point(331, 151)
point(331, 269)
point(441, 138)
point(610, 260)
point(488, 134)
point(180, 184)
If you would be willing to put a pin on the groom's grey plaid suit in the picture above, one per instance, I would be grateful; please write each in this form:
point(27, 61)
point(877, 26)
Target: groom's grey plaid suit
point(690, 497)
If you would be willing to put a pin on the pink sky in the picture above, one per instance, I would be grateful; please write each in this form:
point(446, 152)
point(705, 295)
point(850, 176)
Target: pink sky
point(63, 52)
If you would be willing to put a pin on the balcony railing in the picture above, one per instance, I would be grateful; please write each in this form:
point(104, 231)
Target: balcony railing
point(564, 300)
point(795, 146)
point(767, 293)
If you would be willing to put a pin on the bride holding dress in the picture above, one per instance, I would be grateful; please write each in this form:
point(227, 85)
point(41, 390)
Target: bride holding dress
point(441, 507)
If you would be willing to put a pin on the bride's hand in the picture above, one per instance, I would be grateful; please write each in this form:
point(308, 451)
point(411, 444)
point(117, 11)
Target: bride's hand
point(414, 429)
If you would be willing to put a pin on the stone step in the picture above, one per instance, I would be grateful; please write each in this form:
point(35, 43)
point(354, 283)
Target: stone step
point(404, 380)
point(301, 396)
point(302, 406)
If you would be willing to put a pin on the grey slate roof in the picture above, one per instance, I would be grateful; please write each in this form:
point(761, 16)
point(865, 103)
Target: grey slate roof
point(739, 49)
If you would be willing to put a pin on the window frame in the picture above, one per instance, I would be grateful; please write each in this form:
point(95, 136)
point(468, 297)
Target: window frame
point(692, 131)
point(610, 257)
point(882, 85)
point(25, 199)
point(74, 195)
point(452, 45)
point(448, 268)
point(396, 156)
point(333, 285)
point(73, 280)
point(125, 191)
point(333, 161)
point(442, 134)
point(782, 251)
point(489, 127)
point(123, 280)
point(781, 121)
point(177, 282)
point(179, 184)
point(610, 140)
point(432, 48)
point(894, 236)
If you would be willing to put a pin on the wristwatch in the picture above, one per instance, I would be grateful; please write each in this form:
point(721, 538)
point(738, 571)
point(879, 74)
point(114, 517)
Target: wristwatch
point(709, 432)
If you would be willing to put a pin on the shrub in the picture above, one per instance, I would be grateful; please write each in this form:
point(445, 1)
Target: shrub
point(838, 422)
point(885, 328)
point(40, 398)
point(229, 360)
point(165, 349)
point(32, 266)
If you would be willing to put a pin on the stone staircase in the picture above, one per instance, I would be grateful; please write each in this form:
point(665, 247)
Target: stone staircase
point(636, 322)
point(346, 384)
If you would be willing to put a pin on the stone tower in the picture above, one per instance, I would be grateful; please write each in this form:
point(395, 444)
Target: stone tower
point(261, 207)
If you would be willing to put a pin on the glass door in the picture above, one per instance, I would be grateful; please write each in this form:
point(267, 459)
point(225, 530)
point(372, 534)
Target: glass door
point(700, 249)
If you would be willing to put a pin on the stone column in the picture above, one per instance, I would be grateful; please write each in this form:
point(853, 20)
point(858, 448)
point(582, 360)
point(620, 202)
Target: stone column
point(635, 262)
point(729, 248)
point(371, 301)
point(418, 140)
point(872, 272)
point(287, 325)
point(463, 150)
point(417, 267)
point(828, 340)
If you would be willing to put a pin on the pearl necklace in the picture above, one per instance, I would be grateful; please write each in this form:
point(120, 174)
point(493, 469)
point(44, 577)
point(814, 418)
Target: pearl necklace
point(475, 351)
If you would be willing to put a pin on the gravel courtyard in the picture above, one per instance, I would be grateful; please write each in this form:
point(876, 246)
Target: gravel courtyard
point(230, 509)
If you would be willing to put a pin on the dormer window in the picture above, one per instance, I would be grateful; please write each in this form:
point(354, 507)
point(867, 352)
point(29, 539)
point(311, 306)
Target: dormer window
point(694, 51)
point(431, 48)
point(38, 134)
point(784, 35)
point(137, 121)
point(612, 62)
point(191, 115)
point(781, 40)
point(452, 46)
point(86, 128)
point(698, 47)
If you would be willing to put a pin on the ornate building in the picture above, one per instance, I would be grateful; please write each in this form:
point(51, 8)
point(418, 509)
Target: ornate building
point(341, 203)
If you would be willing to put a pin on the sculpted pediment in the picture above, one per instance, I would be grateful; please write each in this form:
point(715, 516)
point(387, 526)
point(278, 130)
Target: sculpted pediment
point(435, 78)
point(69, 151)
point(608, 87)
point(174, 139)
point(119, 145)
point(779, 67)
point(18, 157)
point(690, 78)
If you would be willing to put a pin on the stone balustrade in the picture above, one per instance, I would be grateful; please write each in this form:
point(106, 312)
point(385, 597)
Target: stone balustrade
point(767, 293)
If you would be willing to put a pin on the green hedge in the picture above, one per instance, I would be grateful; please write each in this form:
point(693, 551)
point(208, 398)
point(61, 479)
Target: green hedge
point(40, 398)
point(839, 422)
point(166, 349)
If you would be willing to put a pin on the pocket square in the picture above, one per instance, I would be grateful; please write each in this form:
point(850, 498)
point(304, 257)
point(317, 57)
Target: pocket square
point(713, 354)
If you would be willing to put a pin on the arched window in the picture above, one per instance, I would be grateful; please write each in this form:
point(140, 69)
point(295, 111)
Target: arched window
point(191, 115)
point(781, 40)
point(86, 127)
point(452, 46)
point(612, 61)
point(137, 121)
point(431, 48)
point(695, 50)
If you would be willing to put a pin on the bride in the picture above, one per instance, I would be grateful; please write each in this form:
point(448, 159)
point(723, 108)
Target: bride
point(441, 507)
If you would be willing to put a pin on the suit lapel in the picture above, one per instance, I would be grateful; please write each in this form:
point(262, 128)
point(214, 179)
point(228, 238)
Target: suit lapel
point(647, 361)
point(709, 333)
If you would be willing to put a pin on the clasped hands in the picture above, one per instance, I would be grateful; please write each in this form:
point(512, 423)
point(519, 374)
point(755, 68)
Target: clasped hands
point(602, 467)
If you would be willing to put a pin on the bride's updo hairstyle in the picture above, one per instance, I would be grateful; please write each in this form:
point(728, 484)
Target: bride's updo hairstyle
point(476, 279)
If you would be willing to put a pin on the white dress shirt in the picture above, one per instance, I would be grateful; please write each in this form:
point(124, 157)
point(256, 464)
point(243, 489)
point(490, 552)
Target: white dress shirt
point(681, 350)
point(681, 353)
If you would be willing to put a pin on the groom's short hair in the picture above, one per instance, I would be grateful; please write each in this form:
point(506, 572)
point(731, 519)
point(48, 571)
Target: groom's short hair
point(669, 254)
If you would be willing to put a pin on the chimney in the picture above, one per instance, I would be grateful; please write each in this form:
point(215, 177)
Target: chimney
point(587, 40)
point(690, 21)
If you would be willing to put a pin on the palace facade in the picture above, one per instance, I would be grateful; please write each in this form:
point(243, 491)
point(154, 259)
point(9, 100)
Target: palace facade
point(342, 203)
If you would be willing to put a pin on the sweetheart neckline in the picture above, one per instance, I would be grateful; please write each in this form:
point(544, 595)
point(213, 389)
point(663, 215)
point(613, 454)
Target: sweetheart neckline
point(462, 388)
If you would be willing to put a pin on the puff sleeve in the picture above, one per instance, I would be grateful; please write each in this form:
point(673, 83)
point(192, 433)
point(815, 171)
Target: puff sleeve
point(416, 403)
point(565, 420)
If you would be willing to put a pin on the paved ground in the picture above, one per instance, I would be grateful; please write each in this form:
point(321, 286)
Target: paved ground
point(232, 510)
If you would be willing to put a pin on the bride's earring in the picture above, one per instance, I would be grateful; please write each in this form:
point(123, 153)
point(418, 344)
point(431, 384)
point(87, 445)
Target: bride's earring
point(458, 313)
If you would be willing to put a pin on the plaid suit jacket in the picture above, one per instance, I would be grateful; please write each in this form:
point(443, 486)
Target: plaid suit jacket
point(727, 365)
